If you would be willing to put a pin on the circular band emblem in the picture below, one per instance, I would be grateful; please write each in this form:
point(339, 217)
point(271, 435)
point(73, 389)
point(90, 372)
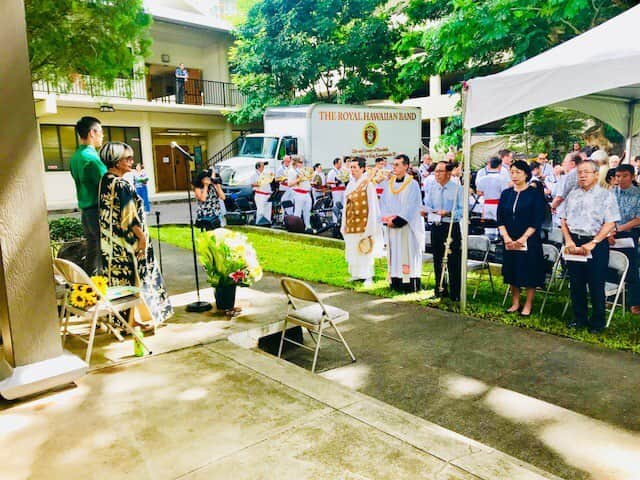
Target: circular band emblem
point(370, 134)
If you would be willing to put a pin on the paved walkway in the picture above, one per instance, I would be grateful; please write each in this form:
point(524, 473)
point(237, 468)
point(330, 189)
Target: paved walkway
point(565, 407)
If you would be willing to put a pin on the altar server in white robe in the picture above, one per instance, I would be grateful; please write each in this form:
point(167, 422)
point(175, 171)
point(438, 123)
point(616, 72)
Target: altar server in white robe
point(301, 188)
point(400, 209)
point(361, 227)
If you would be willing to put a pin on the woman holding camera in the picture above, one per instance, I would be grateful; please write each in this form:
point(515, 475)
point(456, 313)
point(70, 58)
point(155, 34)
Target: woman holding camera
point(209, 196)
point(521, 211)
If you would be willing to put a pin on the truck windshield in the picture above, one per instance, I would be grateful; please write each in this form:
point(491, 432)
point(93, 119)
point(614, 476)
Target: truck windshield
point(259, 147)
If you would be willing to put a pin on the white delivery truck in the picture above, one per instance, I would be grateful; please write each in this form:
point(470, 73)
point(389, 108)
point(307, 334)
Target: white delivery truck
point(321, 132)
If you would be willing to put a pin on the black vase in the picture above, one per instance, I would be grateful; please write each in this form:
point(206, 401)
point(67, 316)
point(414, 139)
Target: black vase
point(225, 297)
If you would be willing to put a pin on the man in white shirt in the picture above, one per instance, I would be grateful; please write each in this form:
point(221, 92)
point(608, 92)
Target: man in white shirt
point(262, 192)
point(336, 185)
point(282, 174)
point(490, 187)
point(423, 170)
point(301, 188)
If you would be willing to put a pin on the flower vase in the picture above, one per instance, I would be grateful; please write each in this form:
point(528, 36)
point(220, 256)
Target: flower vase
point(225, 297)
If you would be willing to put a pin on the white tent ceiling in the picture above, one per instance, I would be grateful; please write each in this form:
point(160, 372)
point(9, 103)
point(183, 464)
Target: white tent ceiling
point(597, 73)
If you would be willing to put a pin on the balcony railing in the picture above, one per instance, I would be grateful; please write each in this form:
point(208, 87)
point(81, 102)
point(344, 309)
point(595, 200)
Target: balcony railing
point(160, 90)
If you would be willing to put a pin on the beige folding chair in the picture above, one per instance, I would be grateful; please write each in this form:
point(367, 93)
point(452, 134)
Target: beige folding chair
point(314, 317)
point(482, 245)
point(104, 306)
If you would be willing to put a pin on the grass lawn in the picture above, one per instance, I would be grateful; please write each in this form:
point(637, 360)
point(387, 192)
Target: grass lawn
point(309, 258)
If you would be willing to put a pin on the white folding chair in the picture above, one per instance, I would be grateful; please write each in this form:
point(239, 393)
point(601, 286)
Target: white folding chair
point(427, 257)
point(104, 306)
point(315, 317)
point(619, 263)
point(482, 245)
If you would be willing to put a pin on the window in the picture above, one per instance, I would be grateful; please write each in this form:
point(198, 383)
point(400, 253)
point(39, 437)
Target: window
point(59, 142)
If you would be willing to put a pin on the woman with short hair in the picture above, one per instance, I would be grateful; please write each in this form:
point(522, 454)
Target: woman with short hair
point(127, 254)
point(521, 211)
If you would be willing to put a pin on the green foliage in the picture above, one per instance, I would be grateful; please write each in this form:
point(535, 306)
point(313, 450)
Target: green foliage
point(545, 129)
point(64, 229)
point(103, 38)
point(307, 260)
point(301, 51)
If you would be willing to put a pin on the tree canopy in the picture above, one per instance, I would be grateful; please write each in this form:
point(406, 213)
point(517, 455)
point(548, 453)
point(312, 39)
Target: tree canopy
point(104, 38)
point(300, 51)
point(478, 37)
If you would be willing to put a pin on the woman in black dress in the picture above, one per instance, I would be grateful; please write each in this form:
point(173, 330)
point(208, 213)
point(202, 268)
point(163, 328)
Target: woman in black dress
point(521, 211)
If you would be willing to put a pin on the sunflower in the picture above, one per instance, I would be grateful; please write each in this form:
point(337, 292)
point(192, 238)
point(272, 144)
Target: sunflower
point(100, 283)
point(77, 298)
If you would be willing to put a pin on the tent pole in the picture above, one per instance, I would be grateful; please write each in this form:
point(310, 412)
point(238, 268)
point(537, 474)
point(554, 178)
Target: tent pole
point(464, 225)
point(629, 139)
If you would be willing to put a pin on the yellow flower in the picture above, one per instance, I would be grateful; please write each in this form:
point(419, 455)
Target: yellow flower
point(100, 283)
point(76, 298)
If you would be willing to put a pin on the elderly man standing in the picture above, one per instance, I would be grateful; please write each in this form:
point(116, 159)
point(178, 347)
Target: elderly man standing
point(400, 211)
point(628, 198)
point(591, 212)
point(443, 204)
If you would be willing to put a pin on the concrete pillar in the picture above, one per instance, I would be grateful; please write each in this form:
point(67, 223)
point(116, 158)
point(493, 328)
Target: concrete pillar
point(435, 123)
point(32, 356)
point(146, 142)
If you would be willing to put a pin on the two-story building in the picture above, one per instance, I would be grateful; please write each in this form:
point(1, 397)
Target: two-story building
point(148, 112)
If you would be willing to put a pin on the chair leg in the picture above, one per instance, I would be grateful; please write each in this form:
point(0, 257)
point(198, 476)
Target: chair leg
point(566, 307)
point(493, 290)
point(344, 342)
point(284, 330)
point(132, 332)
point(315, 354)
point(65, 331)
point(92, 336)
point(615, 302)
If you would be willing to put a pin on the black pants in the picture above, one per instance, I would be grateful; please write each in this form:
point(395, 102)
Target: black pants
point(91, 229)
point(632, 281)
point(439, 235)
point(593, 272)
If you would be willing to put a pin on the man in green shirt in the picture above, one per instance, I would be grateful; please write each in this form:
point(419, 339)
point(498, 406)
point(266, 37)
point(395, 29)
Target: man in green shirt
point(87, 169)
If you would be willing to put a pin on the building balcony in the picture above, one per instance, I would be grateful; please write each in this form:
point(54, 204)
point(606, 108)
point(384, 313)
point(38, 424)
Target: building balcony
point(156, 91)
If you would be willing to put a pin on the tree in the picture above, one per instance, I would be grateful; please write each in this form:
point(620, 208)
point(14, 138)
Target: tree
point(300, 51)
point(479, 37)
point(103, 38)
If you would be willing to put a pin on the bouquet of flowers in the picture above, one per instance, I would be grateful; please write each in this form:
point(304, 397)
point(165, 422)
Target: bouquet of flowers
point(228, 258)
point(83, 296)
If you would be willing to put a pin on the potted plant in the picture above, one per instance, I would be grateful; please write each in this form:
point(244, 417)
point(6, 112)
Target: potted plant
point(229, 261)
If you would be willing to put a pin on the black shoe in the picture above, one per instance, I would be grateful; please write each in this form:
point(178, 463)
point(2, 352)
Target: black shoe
point(575, 325)
point(595, 329)
point(507, 310)
point(525, 314)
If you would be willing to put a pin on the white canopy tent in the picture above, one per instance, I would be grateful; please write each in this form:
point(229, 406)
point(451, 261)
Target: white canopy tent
point(597, 73)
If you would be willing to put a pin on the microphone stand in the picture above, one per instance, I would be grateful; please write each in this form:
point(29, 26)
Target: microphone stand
point(197, 306)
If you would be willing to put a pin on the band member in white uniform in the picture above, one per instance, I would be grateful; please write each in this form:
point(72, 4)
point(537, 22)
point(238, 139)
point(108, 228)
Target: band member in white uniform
point(490, 187)
point(318, 182)
point(301, 189)
point(283, 172)
point(336, 185)
point(400, 209)
point(261, 194)
point(423, 170)
point(361, 227)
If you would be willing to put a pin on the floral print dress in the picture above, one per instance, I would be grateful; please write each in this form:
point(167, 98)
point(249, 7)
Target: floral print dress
point(121, 209)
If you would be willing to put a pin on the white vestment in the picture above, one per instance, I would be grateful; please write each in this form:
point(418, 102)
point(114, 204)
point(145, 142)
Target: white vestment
point(361, 265)
point(405, 244)
point(491, 186)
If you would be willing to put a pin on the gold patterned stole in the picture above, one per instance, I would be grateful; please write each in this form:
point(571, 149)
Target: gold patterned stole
point(357, 209)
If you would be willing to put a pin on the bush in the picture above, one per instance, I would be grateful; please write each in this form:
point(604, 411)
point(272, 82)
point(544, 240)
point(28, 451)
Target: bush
point(64, 229)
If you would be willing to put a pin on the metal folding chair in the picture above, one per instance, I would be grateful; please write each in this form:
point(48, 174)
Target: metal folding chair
point(482, 245)
point(619, 263)
point(104, 306)
point(315, 317)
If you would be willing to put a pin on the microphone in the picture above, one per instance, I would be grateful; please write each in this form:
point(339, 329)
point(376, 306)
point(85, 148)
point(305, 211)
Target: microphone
point(181, 150)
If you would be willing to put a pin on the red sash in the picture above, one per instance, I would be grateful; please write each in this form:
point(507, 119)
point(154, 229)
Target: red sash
point(494, 201)
point(299, 190)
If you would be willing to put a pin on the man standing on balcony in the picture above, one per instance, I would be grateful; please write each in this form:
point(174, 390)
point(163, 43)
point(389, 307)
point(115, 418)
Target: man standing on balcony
point(87, 170)
point(182, 74)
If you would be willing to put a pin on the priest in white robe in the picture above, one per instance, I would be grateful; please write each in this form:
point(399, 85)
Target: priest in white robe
point(361, 227)
point(400, 209)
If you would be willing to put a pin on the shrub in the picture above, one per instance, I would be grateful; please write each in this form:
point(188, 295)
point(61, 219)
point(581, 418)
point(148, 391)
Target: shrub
point(64, 229)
